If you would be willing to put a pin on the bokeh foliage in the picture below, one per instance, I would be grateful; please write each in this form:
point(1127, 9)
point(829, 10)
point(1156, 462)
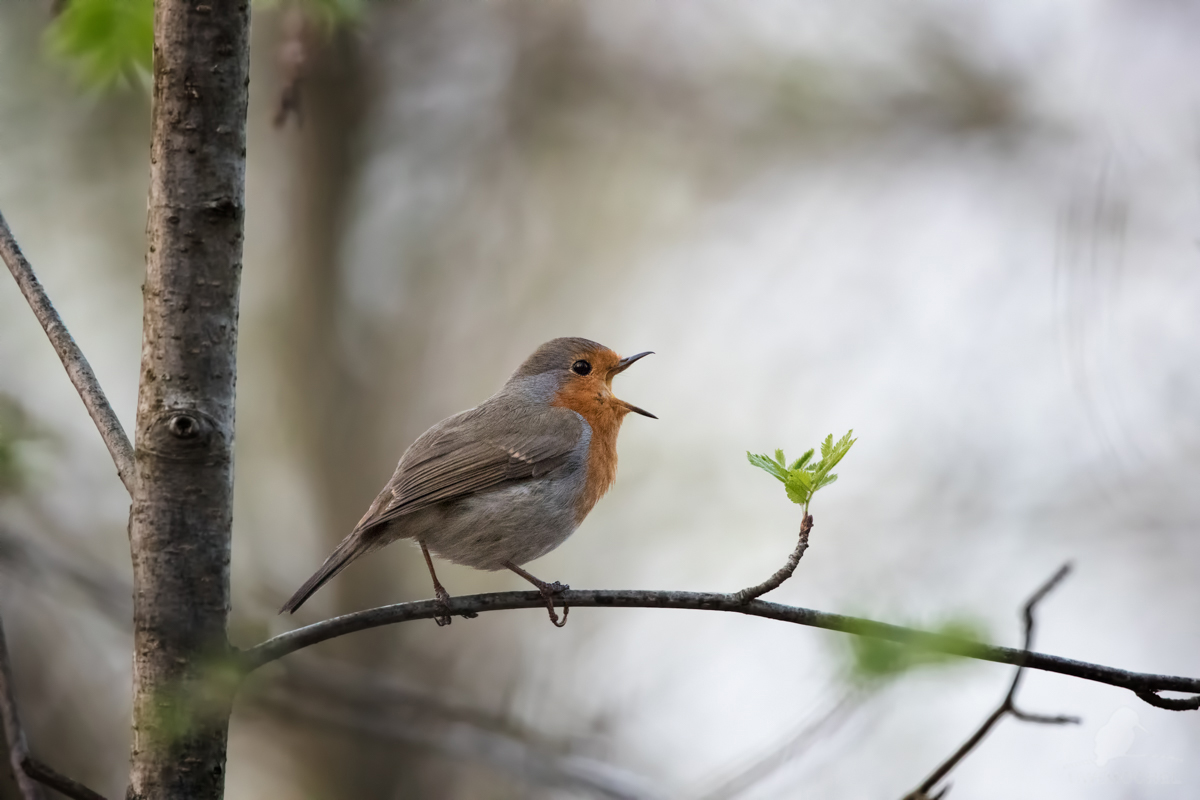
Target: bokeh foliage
point(16, 429)
point(874, 661)
point(110, 43)
point(106, 43)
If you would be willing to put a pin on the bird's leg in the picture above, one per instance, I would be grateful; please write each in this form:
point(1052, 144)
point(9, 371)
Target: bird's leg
point(548, 591)
point(440, 592)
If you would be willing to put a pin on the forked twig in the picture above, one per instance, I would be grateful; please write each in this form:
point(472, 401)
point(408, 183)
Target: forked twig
point(1007, 706)
point(77, 366)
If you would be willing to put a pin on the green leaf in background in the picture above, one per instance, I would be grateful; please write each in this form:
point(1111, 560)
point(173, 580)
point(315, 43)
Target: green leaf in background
point(875, 660)
point(110, 43)
point(16, 429)
point(328, 14)
point(107, 42)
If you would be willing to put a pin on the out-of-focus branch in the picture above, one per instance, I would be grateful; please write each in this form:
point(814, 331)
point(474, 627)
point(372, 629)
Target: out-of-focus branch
point(14, 732)
point(27, 771)
point(339, 695)
point(784, 572)
point(335, 695)
point(285, 643)
point(78, 369)
point(59, 782)
point(793, 748)
point(1006, 707)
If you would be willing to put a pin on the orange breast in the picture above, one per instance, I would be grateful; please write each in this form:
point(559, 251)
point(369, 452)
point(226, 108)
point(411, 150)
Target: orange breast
point(595, 405)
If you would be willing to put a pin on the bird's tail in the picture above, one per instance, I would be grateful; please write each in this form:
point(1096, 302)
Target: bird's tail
point(353, 546)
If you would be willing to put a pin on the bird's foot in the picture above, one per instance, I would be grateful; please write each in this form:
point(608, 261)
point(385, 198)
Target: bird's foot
point(549, 591)
point(443, 597)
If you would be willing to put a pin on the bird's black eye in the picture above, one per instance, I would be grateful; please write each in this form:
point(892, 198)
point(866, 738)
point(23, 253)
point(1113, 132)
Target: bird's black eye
point(581, 367)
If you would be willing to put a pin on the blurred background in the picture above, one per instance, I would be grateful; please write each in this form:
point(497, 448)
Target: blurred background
point(969, 231)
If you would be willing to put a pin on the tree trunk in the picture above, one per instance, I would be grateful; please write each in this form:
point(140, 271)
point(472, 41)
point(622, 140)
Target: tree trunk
point(183, 498)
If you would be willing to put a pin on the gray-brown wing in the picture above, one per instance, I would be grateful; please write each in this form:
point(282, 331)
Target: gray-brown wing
point(474, 451)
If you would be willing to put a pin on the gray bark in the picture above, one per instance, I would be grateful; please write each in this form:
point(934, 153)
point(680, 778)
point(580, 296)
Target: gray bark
point(183, 494)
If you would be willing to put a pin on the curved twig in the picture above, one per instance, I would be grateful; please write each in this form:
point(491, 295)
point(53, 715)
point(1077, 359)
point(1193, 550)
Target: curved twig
point(77, 366)
point(285, 643)
point(784, 572)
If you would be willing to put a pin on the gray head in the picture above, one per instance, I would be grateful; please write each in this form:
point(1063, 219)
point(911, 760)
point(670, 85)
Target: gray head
point(572, 365)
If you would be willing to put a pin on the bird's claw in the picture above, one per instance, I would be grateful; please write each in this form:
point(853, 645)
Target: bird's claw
point(443, 597)
point(549, 590)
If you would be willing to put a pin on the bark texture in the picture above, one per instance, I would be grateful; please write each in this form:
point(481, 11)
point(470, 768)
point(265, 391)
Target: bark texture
point(183, 497)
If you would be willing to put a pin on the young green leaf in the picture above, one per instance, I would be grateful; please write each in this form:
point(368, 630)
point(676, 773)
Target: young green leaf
point(768, 465)
point(800, 462)
point(802, 479)
point(799, 486)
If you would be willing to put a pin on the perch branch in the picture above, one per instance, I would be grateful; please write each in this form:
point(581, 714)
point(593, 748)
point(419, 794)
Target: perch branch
point(78, 369)
point(1007, 706)
point(784, 572)
point(285, 643)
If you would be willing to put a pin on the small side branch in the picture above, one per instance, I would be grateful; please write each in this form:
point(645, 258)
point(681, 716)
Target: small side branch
point(1006, 707)
point(784, 572)
point(78, 369)
point(285, 643)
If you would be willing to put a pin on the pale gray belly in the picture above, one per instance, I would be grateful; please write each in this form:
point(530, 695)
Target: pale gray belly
point(515, 523)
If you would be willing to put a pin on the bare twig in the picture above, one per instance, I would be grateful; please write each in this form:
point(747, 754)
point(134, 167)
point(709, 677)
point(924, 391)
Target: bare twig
point(78, 369)
point(784, 572)
point(1006, 707)
point(285, 643)
point(14, 733)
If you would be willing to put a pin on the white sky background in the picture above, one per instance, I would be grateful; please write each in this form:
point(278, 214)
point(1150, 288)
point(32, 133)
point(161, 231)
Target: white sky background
point(789, 203)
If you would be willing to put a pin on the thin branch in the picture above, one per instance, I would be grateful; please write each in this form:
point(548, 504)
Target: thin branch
point(1007, 706)
point(14, 733)
point(784, 572)
point(285, 643)
point(78, 369)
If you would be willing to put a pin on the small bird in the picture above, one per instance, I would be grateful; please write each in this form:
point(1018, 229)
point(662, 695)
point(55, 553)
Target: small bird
point(507, 481)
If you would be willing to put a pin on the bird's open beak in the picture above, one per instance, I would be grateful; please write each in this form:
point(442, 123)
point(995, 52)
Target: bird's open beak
point(627, 362)
point(624, 364)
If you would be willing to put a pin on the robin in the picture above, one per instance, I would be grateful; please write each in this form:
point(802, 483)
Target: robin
point(507, 481)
